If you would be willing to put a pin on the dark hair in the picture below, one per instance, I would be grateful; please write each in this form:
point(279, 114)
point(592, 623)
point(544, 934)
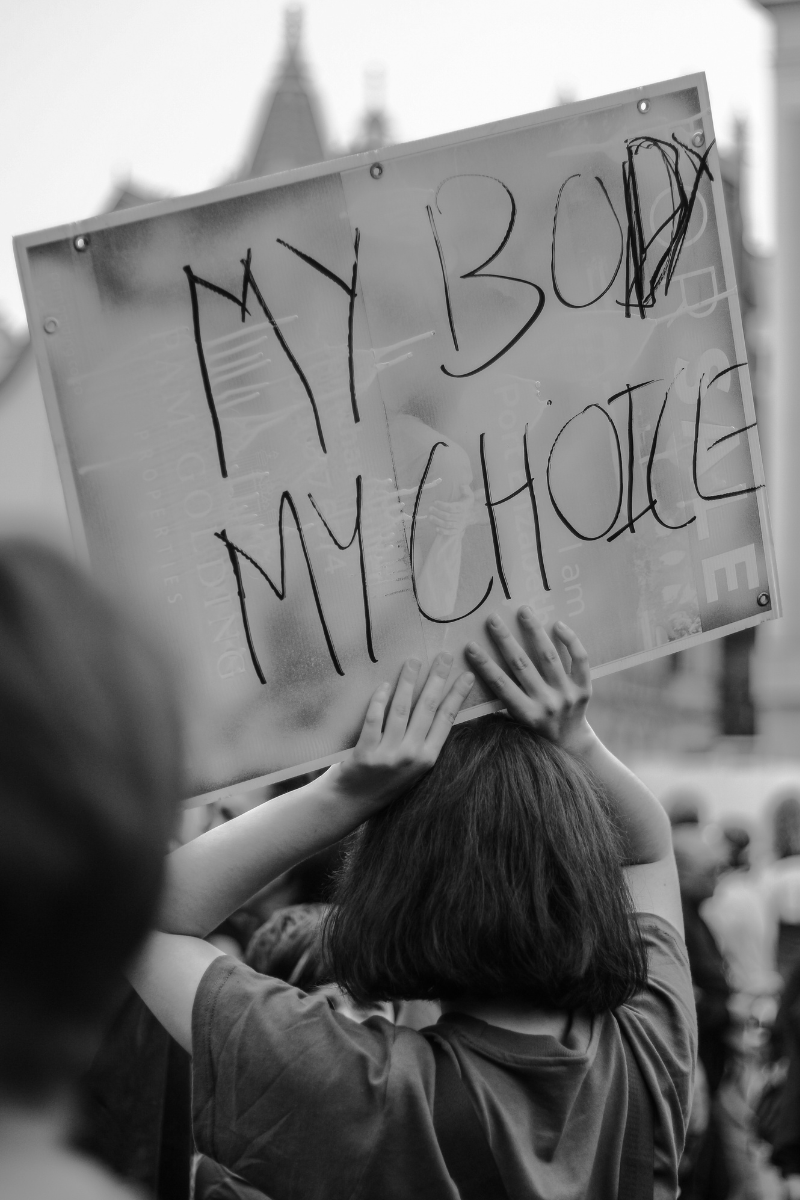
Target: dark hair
point(289, 946)
point(89, 780)
point(499, 874)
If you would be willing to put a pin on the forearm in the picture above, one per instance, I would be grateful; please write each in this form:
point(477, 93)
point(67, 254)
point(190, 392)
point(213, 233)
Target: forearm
point(644, 824)
point(212, 876)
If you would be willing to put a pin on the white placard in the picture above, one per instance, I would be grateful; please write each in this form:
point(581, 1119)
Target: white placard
point(322, 421)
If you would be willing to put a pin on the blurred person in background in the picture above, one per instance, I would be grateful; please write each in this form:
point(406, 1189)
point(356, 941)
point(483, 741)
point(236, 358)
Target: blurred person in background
point(781, 884)
point(704, 1170)
point(89, 778)
point(737, 916)
point(785, 1053)
point(717, 895)
point(684, 806)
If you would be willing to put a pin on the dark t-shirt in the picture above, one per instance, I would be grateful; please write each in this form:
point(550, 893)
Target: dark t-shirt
point(306, 1104)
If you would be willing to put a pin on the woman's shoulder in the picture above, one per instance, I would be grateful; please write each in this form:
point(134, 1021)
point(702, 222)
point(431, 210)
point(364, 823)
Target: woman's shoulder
point(661, 1018)
point(239, 1012)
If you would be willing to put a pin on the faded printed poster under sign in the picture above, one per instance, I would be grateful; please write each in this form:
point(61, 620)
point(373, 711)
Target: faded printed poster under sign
point(321, 422)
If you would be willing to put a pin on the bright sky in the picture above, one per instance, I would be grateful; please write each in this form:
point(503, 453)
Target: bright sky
point(166, 92)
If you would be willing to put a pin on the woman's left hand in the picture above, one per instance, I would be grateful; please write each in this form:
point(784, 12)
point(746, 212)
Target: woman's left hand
point(400, 740)
point(536, 686)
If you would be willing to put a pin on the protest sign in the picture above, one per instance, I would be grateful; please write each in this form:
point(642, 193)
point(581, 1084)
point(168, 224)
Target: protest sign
point(323, 421)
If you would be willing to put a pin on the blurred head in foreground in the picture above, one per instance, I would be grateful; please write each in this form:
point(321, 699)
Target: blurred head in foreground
point(499, 874)
point(89, 778)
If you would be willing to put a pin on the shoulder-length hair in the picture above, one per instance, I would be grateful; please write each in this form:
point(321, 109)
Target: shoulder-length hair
point(499, 874)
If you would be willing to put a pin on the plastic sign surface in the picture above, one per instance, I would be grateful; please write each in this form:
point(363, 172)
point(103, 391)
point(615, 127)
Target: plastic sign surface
point(319, 422)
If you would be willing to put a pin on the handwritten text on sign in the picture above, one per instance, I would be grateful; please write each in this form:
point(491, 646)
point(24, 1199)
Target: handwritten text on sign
point(320, 426)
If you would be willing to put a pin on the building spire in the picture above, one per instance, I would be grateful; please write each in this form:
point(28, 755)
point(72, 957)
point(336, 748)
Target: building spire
point(293, 29)
point(289, 130)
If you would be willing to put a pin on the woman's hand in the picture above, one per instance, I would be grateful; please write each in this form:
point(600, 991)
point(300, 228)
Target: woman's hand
point(400, 742)
point(539, 689)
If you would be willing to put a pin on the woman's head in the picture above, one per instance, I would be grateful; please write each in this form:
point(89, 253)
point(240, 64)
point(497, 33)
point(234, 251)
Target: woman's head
point(498, 875)
point(89, 777)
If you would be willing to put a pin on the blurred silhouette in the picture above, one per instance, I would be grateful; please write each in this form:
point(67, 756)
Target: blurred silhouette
point(781, 884)
point(89, 779)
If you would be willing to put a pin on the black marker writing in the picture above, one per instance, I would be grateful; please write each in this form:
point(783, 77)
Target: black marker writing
point(194, 280)
point(417, 498)
point(641, 280)
point(357, 533)
point(717, 495)
point(284, 345)
point(233, 552)
point(248, 282)
point(491, 505)
point(480, 272)
point(445, 279)
point(350, 291)
point(556, 289)
point(281, 590)
point(584, 537)
point(631, 521)
point(649, 476)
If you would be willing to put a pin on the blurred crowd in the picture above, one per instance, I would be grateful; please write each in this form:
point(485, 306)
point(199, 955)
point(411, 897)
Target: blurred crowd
point(740, 892)
point(96, 1085)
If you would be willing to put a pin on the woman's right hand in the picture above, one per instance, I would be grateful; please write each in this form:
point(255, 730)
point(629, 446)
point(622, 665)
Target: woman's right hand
point(537, 688)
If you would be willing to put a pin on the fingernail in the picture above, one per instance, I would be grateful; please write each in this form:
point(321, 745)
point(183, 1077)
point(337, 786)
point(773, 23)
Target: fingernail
point(561, 627)
point(469, 679)
point(415, 664)
point(474, 649)
point(445, 658)
point(494, 619)
point(526, 612)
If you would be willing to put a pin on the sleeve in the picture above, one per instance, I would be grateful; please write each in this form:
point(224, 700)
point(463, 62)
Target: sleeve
point(661, 1027)
point(285, 1092)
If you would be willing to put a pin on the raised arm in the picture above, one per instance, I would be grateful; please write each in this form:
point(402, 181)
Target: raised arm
point(212, 876)
point(547, 685)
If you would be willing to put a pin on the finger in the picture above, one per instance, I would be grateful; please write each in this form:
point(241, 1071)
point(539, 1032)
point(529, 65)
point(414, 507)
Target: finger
point(523, 669)
point(400, 707)
point(545, 654)
point(580, 670)
point(430, 698)
point(372, 729)
point(447, 712)
point(528, 710)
